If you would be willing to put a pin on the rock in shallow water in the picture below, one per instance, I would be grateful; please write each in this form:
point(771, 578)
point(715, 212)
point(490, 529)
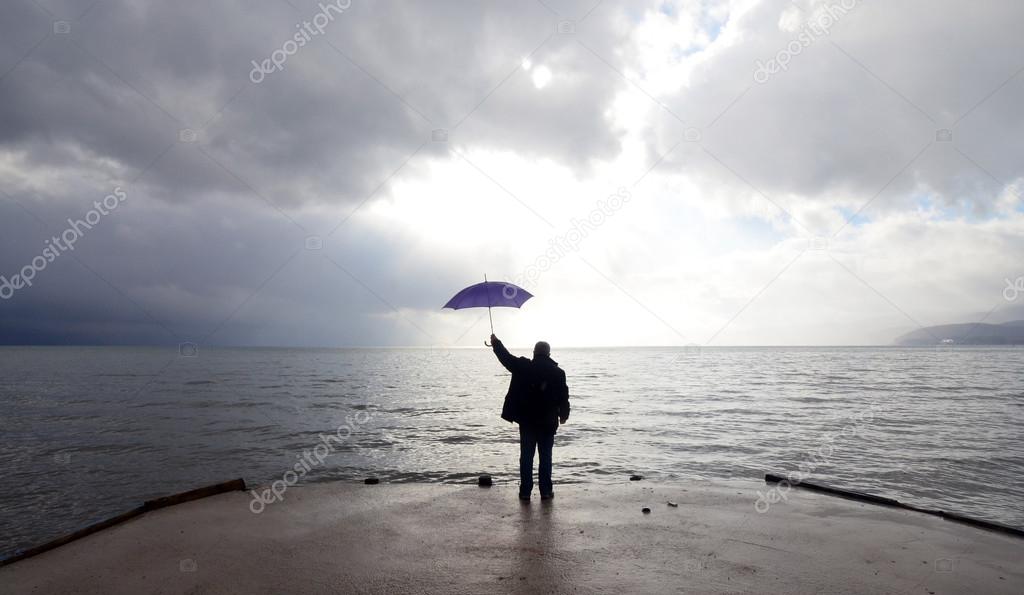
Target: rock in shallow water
point(484, 481)
point(371, 481)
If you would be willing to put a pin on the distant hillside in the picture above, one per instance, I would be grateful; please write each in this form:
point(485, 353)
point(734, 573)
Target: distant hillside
point(974, 333)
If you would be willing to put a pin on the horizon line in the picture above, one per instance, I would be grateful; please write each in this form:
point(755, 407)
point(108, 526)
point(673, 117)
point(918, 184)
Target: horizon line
point(529, 346)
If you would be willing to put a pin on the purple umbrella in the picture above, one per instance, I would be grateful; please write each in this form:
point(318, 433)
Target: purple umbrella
point(489, 294)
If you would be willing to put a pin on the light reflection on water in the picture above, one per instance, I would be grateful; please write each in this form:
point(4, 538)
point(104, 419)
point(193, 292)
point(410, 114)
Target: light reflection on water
point(89, 432)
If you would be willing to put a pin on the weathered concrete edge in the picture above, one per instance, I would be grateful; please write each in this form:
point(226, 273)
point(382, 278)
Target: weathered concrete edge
point(148, 505)
point(883, 501)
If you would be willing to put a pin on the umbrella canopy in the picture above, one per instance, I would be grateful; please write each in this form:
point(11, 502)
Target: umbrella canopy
point(489, 294)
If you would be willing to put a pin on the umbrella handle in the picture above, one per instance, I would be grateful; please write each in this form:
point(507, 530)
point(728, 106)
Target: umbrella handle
point(487, 344)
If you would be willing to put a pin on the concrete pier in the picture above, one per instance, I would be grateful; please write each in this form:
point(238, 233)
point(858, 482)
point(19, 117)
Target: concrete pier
point(417, 538)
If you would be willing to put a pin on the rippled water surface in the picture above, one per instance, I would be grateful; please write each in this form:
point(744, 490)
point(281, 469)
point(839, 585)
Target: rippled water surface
point(90, 432)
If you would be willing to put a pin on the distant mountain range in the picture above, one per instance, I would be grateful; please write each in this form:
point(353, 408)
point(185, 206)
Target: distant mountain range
point(972, 333)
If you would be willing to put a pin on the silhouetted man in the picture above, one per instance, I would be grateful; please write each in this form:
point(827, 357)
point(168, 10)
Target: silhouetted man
point(538, 400)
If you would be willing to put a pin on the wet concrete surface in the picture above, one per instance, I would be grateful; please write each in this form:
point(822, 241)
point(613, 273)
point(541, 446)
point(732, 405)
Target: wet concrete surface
point(427, 538)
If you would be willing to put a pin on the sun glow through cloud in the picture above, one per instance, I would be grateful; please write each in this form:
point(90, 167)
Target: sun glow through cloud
point(541, 76)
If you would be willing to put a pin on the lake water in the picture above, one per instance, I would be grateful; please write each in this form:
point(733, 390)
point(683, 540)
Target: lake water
point(89, 432)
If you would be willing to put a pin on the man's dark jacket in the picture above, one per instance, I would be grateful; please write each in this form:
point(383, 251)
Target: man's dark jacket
point(537, 394)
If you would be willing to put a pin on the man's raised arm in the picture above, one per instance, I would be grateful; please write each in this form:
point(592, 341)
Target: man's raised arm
point(511, 362)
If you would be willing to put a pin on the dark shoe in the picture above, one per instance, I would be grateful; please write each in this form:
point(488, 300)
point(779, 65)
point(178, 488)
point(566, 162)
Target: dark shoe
point(547, 496)
point(524, 498)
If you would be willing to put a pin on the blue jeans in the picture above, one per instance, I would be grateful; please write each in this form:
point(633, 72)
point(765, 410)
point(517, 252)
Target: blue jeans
point(530, 440)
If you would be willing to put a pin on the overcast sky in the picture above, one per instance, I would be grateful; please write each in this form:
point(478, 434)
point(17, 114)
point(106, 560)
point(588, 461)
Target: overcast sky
point(286, 172)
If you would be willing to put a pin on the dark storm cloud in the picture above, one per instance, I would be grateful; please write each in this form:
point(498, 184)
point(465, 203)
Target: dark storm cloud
point(192, 276)
point(344, 110)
